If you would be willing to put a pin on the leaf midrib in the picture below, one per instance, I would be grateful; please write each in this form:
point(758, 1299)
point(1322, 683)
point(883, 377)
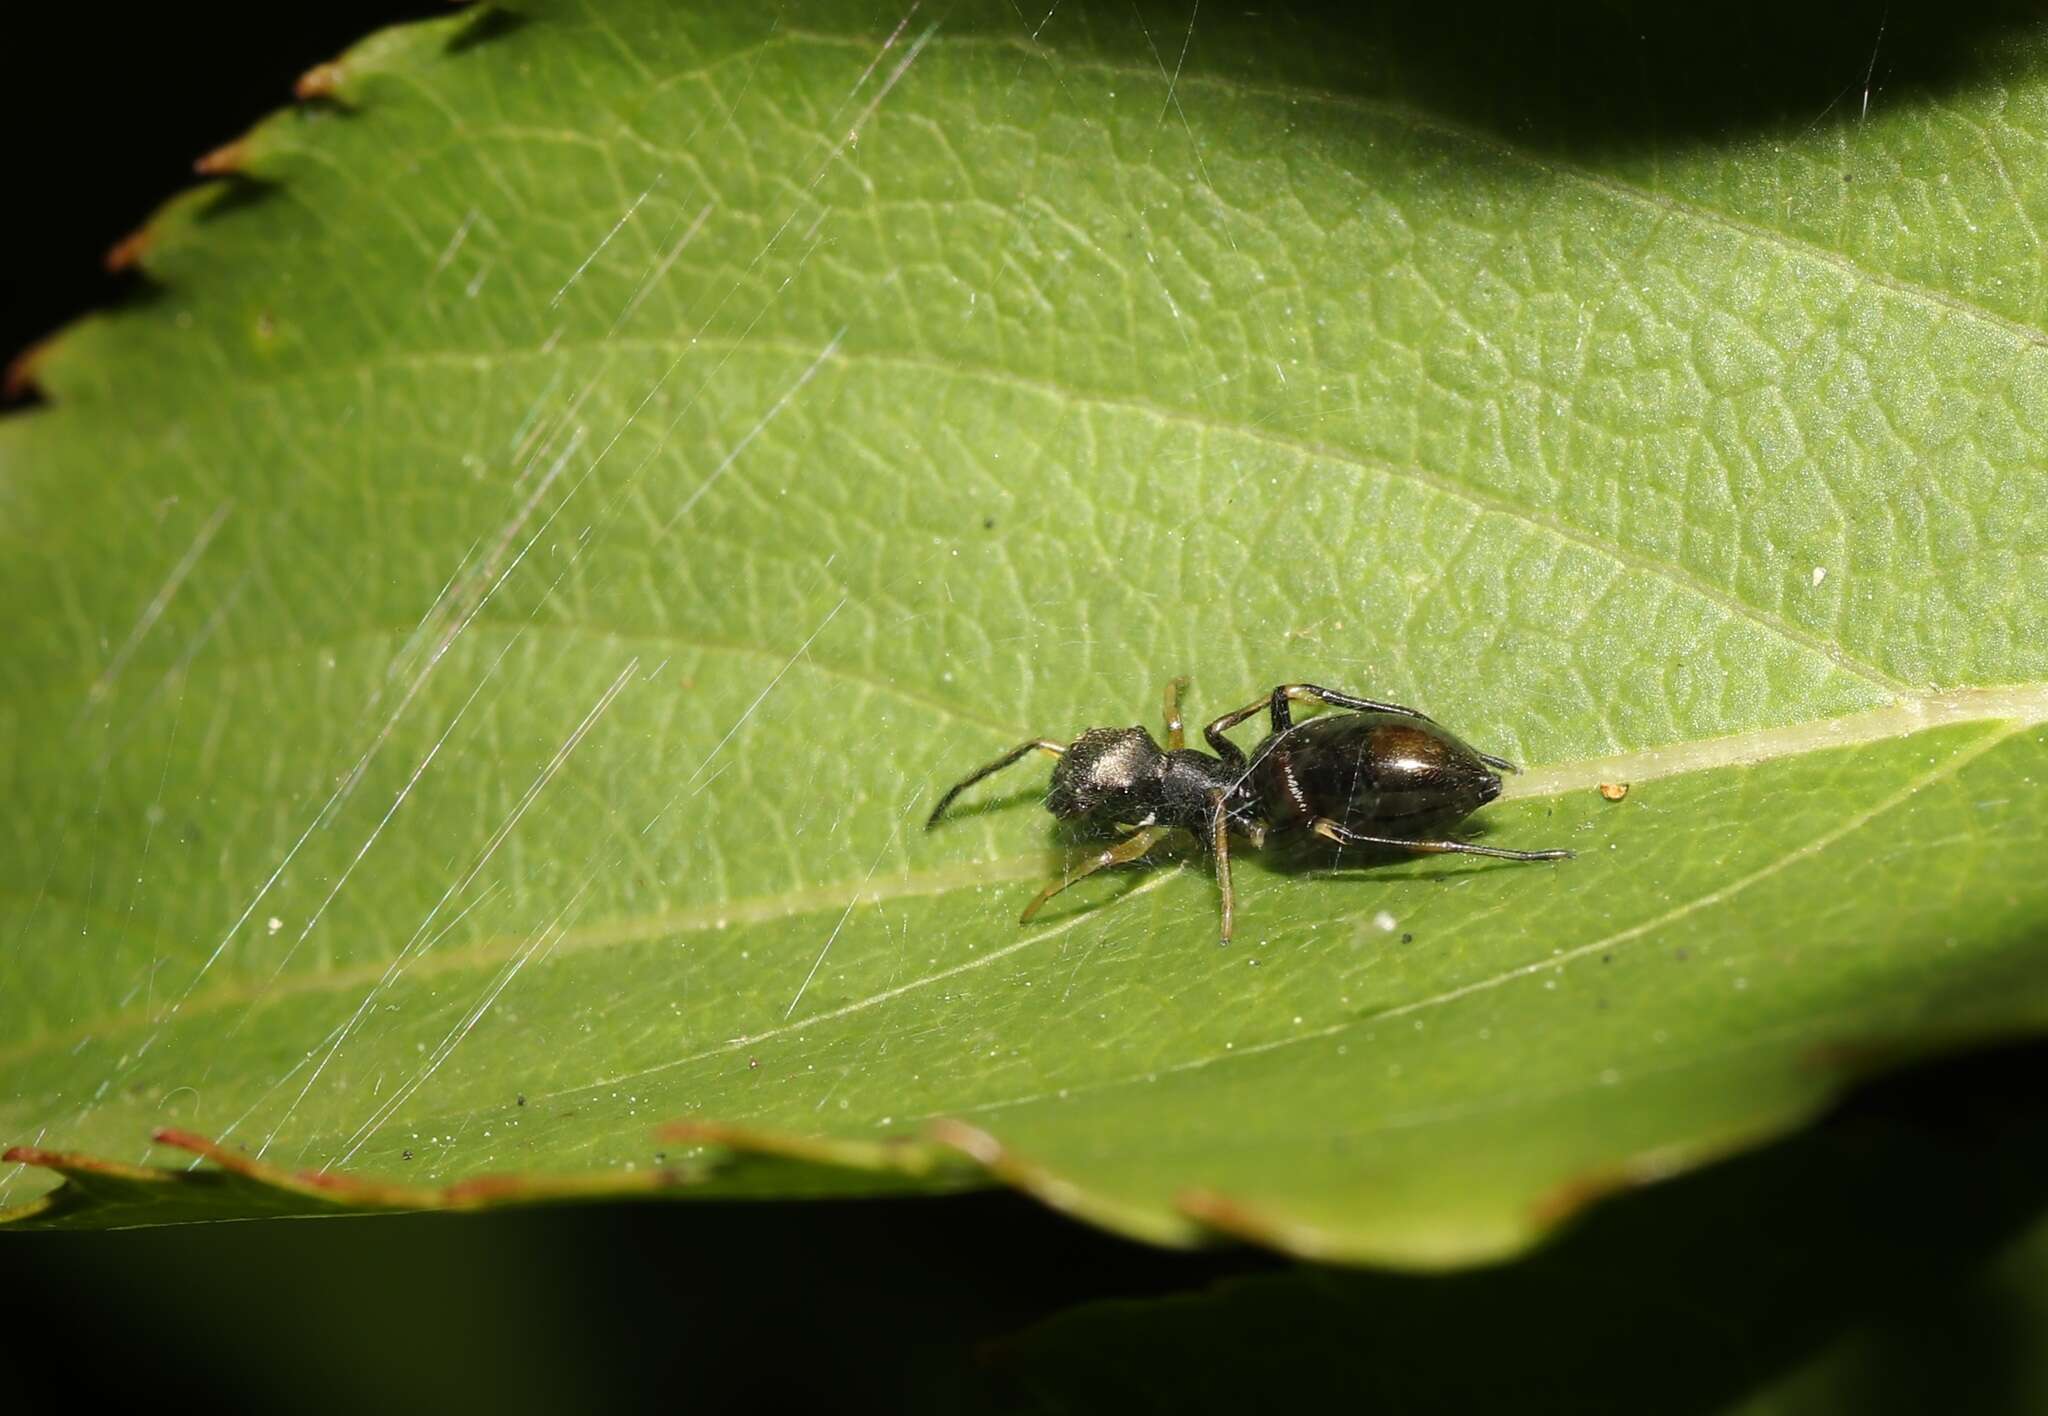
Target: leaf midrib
point(2020, 708)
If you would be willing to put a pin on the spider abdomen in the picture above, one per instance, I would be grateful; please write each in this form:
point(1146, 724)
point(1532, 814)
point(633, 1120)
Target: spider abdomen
point(1377, 772)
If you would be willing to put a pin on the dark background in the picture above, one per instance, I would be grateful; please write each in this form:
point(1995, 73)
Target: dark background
point(103, 110)
point(1880, 1244)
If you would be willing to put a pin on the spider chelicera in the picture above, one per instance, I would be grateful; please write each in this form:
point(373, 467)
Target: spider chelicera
point(1379, 775)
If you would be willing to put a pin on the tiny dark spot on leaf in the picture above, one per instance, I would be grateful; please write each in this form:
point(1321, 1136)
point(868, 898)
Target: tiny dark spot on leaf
point(1407, 939)
point(522, 1098)
point(988, 523)
point(753, 1063)
point(405, 1155)
point(1681, 954)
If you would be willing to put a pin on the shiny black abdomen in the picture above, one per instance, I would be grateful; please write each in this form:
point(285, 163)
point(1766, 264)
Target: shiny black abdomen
point(1378, 773)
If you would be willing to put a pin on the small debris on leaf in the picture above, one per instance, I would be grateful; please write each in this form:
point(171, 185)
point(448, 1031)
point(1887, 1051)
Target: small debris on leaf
point(1614, 791)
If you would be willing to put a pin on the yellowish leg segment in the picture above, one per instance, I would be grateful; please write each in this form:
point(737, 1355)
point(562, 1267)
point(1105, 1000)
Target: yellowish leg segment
point(1176, 730)
point(1122, 853)
point(1219, 842)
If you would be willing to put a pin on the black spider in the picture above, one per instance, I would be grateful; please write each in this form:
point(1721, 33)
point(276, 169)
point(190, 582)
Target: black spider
point(1379, 775)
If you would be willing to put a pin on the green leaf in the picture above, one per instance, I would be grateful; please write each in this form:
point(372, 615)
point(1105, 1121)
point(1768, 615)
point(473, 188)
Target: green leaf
point(1893, 1259)
point(483, 638)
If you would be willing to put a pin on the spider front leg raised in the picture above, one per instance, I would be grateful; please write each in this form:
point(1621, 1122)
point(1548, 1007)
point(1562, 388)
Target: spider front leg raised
point(1123, 852)
point(1015, 754)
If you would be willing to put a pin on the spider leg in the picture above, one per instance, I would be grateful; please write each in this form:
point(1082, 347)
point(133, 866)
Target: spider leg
point(1330, 831)
point(1123, 852)
point(1313, 693)
point(1219, 842)
point(1275, 705)
point(1015, 754)
point(1498, 764)
point(1222, 746)
point(1176, 731)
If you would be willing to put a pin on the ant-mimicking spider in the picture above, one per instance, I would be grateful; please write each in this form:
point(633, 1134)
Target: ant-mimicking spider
point(1379, 775)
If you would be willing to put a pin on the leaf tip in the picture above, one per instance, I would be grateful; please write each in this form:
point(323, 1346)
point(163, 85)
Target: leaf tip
point(320, 81)
point(127, 253)
point(20, 380)
point(225, 160)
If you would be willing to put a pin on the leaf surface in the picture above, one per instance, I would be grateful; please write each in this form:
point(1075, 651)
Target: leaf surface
point(484, 637)
point(1892, 1258)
